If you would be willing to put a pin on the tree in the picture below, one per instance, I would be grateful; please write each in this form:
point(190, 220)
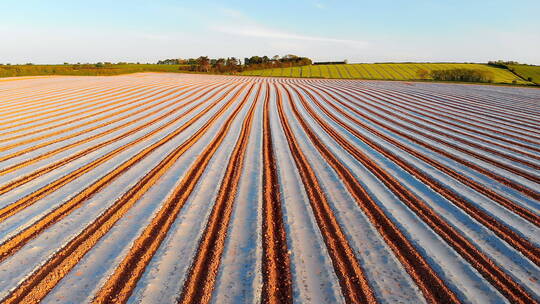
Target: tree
point(232, 64)
point(204, 63)
point(219, 65)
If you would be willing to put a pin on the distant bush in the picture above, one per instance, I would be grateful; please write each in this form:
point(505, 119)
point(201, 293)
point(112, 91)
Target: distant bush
point(465, 75)
point(422, 73)
point(501, 63)
point(330, 62)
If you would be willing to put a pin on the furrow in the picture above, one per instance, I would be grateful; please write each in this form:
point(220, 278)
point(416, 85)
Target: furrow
point(49, 127)
point(354, 285)
point(90, 138)
point(459, 124)
point(41, 282)
point(94, 101)
point(502, 281)
point(119, 104)
point(449, 121)
point(456, 138)
point(276, 269)
point(507, 203)
point(121, 283)
point(35, 103)
point(201, 279)
point(17, 241)
point(516, 171)
point(64, 99)
point(436, 108)
point(500, 229)
point(425, 277)
point(37, 173)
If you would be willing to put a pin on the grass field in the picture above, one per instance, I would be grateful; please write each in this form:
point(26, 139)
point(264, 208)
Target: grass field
point(526, 71)
point(388, 71)
point(83, 69)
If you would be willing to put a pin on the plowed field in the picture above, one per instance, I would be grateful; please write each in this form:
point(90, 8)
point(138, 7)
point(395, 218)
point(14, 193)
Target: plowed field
point(165, 188)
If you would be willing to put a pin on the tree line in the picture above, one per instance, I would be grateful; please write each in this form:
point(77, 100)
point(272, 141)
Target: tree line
point(502, 64)
point(463, 75)
point(235, 65)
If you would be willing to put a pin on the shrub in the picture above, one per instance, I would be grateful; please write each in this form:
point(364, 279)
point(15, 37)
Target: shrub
point(422, 73)
point(465, 75)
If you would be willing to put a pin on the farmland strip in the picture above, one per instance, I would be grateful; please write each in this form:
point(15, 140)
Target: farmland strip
point(427, 280)
point(62, 117)
point(277, 278)
point(49, 126)
point(467, 181)
point(135, 106)
point(339, 72)
point(329, 72)
point(69, 136)
point(363, 66)
point(333, 194)
point(14, 243)
point(516, 171)
point(427, 103)
point(502, 281)
point(393, 100)
point(52, 100)
point(46, 277)
point(346, 68)
point(110, 92)
point(504, 232)
point(393, 68)
point(25, 179)
point(506, 113)
point(354, 285)
point(473, 113)
point(201, 279)
point(478, 100)
point(119, 286)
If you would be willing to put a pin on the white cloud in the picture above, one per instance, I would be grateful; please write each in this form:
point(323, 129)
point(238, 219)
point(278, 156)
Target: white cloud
point(241, 25)
point(261, 32)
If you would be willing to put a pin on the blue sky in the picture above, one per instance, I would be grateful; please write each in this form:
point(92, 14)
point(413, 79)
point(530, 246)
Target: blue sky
point(360, 31)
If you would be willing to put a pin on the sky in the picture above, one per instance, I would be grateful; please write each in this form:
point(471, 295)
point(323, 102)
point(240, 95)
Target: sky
point(57, 31)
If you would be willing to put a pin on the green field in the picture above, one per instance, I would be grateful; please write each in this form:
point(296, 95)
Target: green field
point(526, 71)
point(388, 71)
point(380, 71)
point(83, 69)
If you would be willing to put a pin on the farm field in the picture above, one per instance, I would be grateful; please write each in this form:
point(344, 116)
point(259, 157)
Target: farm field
point(84, 69)
point(526, 71)
point(192, 188)
point(382, 71)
